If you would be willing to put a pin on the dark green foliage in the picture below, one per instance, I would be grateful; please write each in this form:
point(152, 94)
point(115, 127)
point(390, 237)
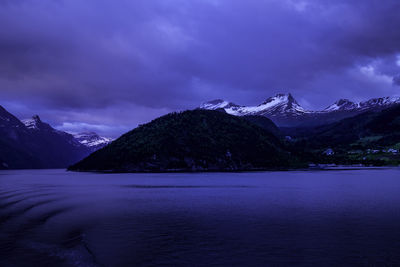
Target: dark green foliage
point(197, 140)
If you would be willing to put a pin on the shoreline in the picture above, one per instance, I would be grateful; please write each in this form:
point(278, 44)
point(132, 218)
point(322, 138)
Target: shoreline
point(321, 167)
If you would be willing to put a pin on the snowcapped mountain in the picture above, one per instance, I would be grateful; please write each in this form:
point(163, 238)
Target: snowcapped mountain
point(285, 111)
point(219, 103)
point(34, 123)
point(36, 126)
point(92, 140)
point(379, 102)
point(345, 104)
point(342, 104)
point(280, 104)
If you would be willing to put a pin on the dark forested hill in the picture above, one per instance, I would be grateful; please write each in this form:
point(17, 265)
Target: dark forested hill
point(197, 140)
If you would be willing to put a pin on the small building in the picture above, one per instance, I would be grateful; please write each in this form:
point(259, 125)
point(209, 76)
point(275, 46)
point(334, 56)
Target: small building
point(329, 152)
point(355, 152)
point(288, 138)
point(373, 151)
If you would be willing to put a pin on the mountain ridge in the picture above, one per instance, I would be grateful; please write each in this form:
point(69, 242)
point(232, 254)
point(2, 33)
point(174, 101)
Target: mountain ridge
point(285, 111)
point(92, 140)
point(32, 143)
point(370, 138)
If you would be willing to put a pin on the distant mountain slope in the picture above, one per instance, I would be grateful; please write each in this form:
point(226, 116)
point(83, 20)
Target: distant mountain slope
point(370, 138)
point(198, 140)
point(264, 123)
point(13, 137)
point(384, 123)
point(92, 140)
point(35, 144)
point(56, 149)
point(285, 111)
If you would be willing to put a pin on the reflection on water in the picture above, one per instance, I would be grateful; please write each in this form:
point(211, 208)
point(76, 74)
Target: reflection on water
point(58, 218)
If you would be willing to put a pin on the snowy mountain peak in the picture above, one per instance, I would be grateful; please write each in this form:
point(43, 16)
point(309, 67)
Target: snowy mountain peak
point(34, 123)
point(36, 118)
point(347, 105)
point(92, 140)
point(217, 103)
point(280, 104)
point(378, 102)
point(284, 110)
point(287, 98)
point(342, 104)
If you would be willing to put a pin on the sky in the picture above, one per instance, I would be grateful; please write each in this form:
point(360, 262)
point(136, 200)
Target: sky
point(108, 66)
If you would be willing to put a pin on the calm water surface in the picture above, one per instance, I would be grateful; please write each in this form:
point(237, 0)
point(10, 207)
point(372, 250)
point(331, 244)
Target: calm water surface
point(321, 218)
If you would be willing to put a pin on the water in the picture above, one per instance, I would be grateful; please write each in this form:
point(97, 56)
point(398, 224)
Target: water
point(321, 218)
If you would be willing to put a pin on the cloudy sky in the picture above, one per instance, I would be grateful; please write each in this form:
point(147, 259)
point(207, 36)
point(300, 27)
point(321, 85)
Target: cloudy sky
point(109, 65)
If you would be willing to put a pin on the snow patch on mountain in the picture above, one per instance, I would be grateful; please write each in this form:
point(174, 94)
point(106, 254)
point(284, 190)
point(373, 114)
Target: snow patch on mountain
point(32, 123)
point(342, 104)
point(280, 104)
point(379, 102)
point(217, 104)
point(36, 124)
point(347, 105)
point(284, 105)
point(92, 140)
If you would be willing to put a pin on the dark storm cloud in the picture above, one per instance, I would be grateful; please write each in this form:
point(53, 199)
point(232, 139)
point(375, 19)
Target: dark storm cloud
point(396, 80)
point(119, 63)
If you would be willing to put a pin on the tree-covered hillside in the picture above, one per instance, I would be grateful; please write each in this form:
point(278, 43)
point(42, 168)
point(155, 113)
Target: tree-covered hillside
point(197, 140)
